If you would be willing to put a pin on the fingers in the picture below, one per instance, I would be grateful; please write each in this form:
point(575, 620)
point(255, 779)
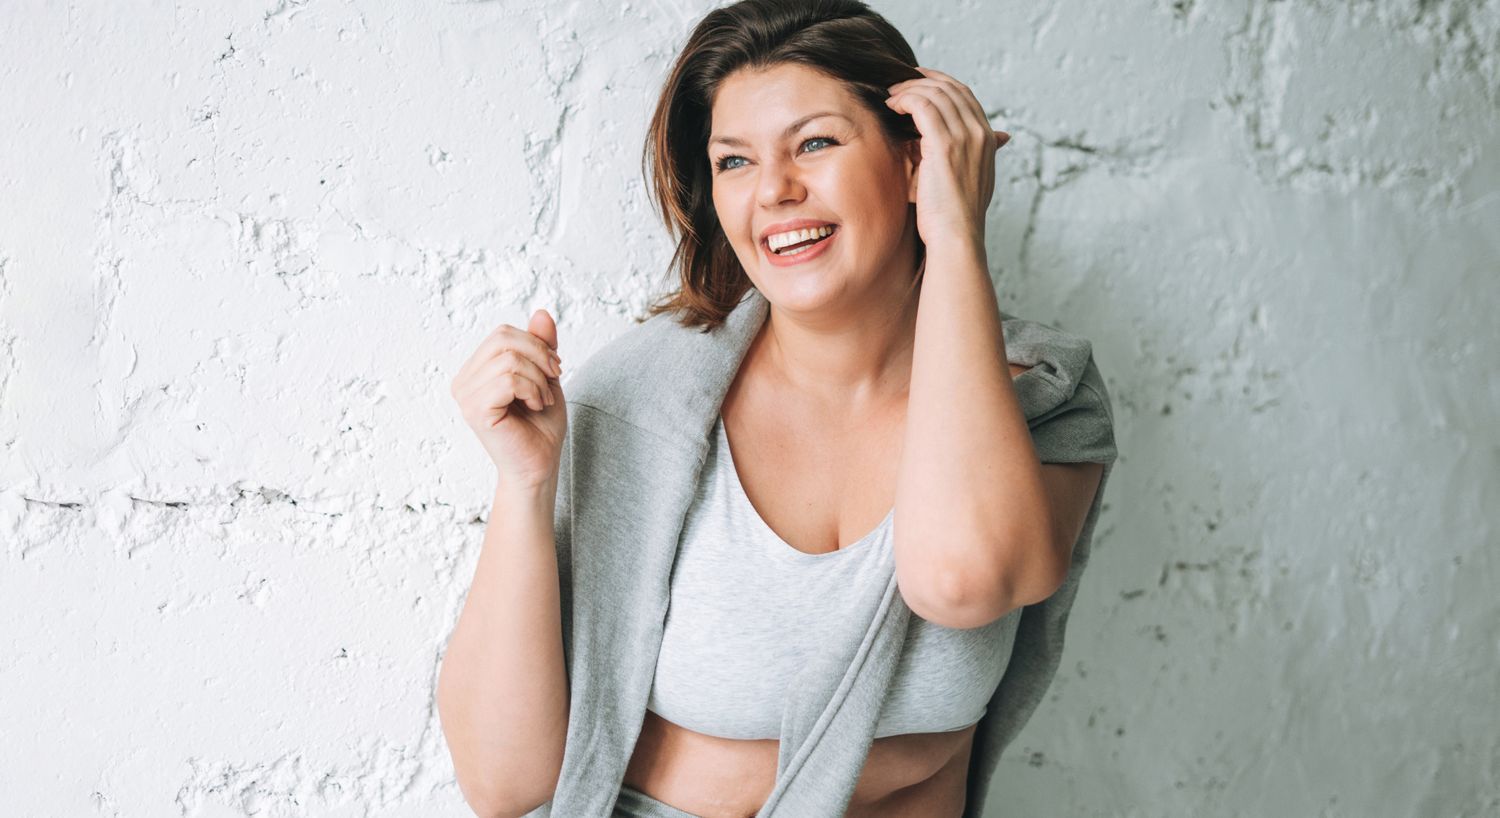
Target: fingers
point(946, 129)
point(506, 378)
point(962, 94)
point(490, 400)
point(970, 118)
point(496, 398)
point(933, 119)
point(512, 363)
point(506, 337)
point(542, 326)
point(947, 109)
point(961, 112)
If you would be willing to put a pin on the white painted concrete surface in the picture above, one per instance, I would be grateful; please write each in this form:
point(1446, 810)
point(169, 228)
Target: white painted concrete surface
point(245, 245)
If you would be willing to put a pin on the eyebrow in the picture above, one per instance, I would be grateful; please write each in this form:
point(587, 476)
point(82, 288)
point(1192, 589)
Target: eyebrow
point(790, 129)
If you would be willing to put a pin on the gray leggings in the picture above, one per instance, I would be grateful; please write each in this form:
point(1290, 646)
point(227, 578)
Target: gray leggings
point(636, 804)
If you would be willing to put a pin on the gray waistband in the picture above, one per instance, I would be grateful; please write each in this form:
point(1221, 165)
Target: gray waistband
point(636, 804)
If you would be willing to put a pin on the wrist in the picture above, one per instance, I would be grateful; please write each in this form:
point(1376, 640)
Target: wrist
point(516, 494)
point(957, 245)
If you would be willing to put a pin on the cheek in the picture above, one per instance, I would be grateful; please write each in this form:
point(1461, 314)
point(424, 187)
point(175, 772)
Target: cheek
point(878, 202)
point(730, 217)
point(869, 186)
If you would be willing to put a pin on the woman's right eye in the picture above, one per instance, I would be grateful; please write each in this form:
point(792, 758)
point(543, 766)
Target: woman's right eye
point(722, 163)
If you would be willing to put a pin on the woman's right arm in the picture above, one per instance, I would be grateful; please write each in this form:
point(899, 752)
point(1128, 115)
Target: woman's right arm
point(503, 690)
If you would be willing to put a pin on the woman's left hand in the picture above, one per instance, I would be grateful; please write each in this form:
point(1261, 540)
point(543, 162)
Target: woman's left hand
point(956, 175)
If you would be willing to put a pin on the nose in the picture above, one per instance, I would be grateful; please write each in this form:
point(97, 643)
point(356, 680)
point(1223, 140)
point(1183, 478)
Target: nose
point(779, 183)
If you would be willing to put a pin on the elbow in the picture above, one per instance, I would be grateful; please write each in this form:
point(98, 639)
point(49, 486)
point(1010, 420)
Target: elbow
point(521, 812)
point(507, 795)
point(951, 600)
point(1036, 567)
point(529, 805)
point(494, 789)
point(488, 802)
point(484, 810)
point(485, 807)
point(970, 598)
point(942, 604)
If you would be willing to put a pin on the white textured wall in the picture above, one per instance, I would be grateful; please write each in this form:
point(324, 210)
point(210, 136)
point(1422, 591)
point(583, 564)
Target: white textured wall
point(244, 248)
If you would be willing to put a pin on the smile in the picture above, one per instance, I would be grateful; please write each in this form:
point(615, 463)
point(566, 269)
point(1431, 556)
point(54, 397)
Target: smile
point(800, 253)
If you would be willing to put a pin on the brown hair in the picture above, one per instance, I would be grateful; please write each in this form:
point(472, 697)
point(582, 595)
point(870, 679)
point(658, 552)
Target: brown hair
point(843, 39)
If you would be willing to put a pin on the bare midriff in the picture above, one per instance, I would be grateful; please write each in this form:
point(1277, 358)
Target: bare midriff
point(918, 774)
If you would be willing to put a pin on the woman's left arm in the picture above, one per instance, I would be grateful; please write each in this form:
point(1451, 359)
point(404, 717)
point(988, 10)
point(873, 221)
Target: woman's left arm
point(985, 527)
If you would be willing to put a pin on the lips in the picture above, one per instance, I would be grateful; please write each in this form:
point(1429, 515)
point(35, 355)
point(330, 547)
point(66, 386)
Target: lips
point(794, 224)
point(804, 245)
point(811, 251)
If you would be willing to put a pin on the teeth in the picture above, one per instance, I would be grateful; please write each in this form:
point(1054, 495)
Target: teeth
point(781, 240)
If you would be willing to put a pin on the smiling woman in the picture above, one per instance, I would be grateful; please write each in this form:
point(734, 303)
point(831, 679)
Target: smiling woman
point(765, 83)
point(785, 155)
point(830, 168)
point(820, 515)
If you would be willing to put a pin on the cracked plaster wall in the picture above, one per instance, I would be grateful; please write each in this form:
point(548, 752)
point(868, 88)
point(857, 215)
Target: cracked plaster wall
point(244, 246)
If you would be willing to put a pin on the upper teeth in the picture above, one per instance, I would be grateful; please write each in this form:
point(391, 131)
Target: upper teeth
point(781, 240)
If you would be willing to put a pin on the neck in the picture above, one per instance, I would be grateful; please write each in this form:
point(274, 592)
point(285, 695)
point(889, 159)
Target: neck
point(858, 360)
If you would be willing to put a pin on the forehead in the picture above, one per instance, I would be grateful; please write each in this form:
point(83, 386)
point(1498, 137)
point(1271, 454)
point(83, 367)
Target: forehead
point(759, 104)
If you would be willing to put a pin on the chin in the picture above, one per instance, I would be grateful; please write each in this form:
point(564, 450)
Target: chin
point(795, 291)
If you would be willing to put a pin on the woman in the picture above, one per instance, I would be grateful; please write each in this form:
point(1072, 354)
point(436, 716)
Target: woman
point(720, 521)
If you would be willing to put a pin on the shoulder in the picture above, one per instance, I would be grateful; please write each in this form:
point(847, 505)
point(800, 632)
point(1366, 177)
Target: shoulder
point(667, 377)
point(657, 375)
point(1057, 362)
point(612, 367)
point(613, 377)
point(1062, 393)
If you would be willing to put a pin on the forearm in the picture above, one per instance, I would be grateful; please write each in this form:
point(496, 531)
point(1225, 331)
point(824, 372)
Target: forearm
point(970, 498)
point(502, 689)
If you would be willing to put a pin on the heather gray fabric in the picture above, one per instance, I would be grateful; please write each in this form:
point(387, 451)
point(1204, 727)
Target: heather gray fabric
point(641, 410)
point(636, 804)
point(748, 612)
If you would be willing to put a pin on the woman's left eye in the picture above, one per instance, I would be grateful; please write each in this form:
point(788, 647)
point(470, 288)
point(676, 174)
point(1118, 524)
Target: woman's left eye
point(722, 164)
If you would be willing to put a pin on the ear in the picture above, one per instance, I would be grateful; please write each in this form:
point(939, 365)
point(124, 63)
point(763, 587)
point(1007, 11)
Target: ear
point(912, 159)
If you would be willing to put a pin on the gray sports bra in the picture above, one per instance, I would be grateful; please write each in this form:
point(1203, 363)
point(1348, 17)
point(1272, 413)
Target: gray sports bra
point(748, 610)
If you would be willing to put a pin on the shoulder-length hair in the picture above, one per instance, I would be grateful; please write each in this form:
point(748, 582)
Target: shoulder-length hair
point(843, 39)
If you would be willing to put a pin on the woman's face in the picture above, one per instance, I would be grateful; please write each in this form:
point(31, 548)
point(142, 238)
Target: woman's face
point(781, 163)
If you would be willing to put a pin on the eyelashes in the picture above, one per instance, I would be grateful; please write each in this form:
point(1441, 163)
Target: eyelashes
point(719, 165)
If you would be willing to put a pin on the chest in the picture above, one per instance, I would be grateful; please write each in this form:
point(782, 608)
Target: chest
point(819, 484)
point(820, 479)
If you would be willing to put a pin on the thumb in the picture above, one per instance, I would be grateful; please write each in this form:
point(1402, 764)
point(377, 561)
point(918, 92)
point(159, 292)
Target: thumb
point(542, 326)
point(1001, 137)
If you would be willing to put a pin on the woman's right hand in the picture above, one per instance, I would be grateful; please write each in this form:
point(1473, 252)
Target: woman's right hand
point(510, 394)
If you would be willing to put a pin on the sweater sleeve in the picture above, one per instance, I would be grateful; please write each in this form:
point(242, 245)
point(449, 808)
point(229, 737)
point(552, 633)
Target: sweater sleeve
point(1079, 429)
point(1071, 421)
point(562, 534)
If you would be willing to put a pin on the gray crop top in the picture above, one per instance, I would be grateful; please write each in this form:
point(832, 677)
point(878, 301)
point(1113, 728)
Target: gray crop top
point(746, 610)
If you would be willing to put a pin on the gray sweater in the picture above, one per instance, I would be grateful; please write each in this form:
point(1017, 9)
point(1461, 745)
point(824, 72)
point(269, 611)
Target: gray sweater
point(640, 414)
